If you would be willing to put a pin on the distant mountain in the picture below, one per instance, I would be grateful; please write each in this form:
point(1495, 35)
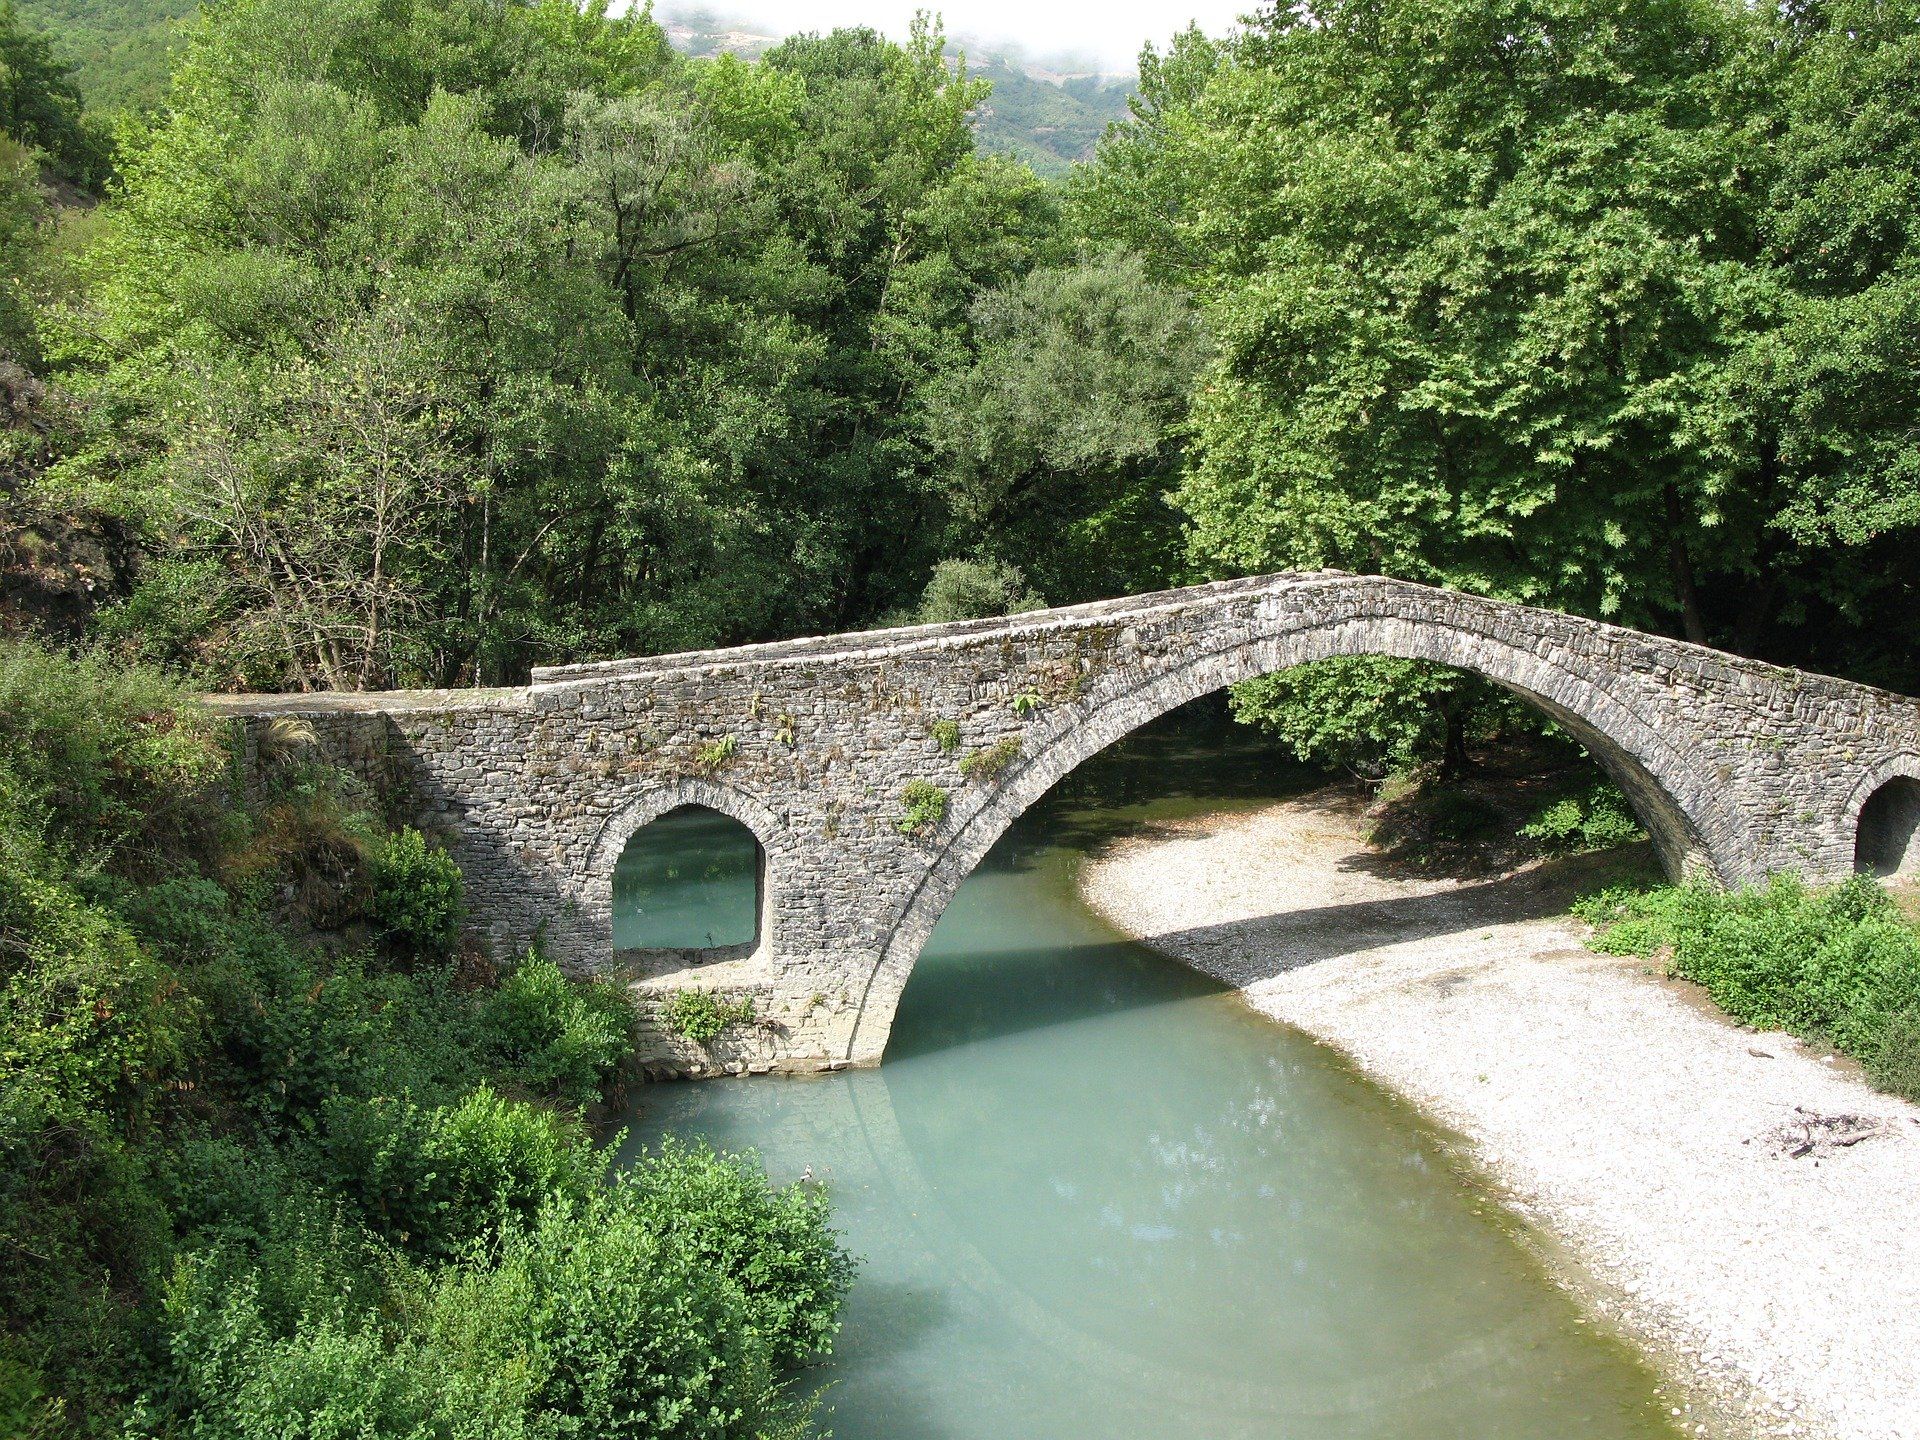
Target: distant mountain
point(120, 46)
point(1048, 118)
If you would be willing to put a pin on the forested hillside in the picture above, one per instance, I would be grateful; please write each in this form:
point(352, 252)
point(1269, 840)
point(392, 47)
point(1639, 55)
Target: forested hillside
point(1048, 120)
point(120, 48)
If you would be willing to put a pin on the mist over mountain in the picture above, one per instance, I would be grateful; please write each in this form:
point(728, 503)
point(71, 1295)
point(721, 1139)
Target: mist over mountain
point(1048, 113)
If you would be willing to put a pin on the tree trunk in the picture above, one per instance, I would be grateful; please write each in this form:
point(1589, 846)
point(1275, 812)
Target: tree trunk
point(1681, 563)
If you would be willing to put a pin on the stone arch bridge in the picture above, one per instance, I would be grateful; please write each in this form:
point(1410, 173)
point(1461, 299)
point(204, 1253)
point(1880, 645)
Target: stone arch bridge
point(1738, 769)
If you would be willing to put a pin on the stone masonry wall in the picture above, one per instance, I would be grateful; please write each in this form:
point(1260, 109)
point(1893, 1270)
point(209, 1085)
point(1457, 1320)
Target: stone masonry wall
point(1738, 769)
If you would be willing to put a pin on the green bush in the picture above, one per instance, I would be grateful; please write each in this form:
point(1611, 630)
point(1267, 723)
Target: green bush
point(776, 1244)
point(438, 1179)
point(1375, 714)
point(115, 768)
point(701, 1015)
point(418, 896)
point(923, 805)
point(974, 590)
point(945, 734)
point(559, 1038)
point(664, 1304)
point(1840, 966)
point(1598, 818)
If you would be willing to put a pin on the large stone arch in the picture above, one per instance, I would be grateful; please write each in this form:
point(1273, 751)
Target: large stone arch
point(593, 884)
point(1691, 826)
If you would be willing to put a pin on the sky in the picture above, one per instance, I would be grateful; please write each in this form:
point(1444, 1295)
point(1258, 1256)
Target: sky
point(1108, 32)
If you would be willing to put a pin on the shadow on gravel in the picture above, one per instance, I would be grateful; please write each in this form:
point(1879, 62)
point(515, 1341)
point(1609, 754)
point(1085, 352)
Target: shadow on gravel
point(1273, 944)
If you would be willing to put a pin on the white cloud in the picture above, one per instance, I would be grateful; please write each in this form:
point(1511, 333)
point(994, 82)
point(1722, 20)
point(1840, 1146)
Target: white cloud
point(1106, 32)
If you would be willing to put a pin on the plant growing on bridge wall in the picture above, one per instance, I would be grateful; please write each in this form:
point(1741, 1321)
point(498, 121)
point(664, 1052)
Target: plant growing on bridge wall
point(924, 805)
point(783, 729)
point(989, 764)
point(711, 759)
point(946, 734)
point(701, 1016)
point(1025, 703)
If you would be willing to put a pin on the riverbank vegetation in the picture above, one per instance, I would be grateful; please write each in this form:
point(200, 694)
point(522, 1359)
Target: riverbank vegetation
point(281, 1152)
point(1838, 967)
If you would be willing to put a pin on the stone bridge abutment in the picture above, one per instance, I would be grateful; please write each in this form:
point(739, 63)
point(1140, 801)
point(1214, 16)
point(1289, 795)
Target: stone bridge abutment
point(1738, 770)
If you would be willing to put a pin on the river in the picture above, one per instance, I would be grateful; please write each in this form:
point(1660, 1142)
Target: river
point(1093, 1194)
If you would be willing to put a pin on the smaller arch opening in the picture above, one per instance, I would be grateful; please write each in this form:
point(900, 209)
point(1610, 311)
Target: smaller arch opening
point(1887, 841)
point(691, 883)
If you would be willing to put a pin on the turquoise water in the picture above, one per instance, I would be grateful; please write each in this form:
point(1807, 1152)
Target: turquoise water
point(1094, 1195)
point(688, 881)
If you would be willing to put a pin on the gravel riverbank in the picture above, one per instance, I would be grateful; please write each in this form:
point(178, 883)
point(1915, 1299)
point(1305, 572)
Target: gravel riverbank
point(1747, 1208)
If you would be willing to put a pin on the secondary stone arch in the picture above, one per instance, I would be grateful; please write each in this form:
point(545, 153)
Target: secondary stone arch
point(594, 882)
point(1691, 827)
point(1895, 779)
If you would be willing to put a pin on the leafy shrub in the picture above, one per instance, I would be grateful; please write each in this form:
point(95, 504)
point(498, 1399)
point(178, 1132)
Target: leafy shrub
point(701, 1015)
point(946, 734)
point(108, 757)
point(1596, 819)
point(989, 764)
point(974, 590)
point(614, 1328)
point(233, 1373)
point(438, 1179)
point(418, 896)
point(1841, 966)
point(776, 1244)
point(662, 1304)
point(558, 1037)
point(924, 806)
point(1373, 714)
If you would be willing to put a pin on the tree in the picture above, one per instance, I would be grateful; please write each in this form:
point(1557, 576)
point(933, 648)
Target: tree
point(1061, 436)
point(40, 106)
point(1594, 305)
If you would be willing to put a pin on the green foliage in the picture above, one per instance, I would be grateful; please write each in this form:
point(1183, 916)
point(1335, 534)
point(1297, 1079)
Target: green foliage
point(108, 754)
point(1062, 435)
point(560, 1039)
point(418, 895)
point(716, 755)
point(703, 1016)
point(40, 105)
point(1841, 966)
point(973, 590)
point(776, 1245)
point(923, 806)
point(945, 734)
point(1609, 316)
point(249, 1185)
point(1026, 703)
point(1597, 818)
point(466, 340)
point(436, 1180)
point(989, 764)
point(666, 1303)
point(1373, 715)
point(119, 48)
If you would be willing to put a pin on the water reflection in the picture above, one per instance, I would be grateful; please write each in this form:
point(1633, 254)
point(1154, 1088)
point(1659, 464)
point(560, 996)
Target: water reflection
point(690, 880)
point(1095, 1195)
